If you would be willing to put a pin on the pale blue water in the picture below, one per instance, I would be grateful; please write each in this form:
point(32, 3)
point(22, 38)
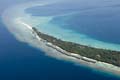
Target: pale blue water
point(101, 25)
point(100, 22)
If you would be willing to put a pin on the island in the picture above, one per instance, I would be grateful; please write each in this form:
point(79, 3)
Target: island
point(88, 53)
point(18, 24)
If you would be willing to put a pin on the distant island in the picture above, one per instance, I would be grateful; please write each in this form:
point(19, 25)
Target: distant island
point(89, 54)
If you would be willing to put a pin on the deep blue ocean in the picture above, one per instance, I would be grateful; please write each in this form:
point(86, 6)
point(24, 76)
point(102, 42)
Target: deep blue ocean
point(19, 61)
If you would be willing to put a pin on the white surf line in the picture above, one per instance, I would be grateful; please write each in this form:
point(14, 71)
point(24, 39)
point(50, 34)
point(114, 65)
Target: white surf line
point(71, 54)
point(92, 61)
point(29, 27)
point(21, 22)
point(54, 46)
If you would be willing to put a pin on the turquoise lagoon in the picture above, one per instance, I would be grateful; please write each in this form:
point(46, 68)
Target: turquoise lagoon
point(92, 26)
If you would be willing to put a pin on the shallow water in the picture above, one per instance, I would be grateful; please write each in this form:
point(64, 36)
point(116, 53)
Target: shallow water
point(92, 24)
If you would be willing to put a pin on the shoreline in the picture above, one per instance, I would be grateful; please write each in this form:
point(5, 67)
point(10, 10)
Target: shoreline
point(87, 61)
point(26, 28)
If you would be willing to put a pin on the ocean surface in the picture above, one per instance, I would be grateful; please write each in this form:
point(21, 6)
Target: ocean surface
point(99, 20)
point(19, 61)
point(92, 24)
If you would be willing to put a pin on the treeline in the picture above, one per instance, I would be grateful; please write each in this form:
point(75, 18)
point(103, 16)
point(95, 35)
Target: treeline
point(108, 56)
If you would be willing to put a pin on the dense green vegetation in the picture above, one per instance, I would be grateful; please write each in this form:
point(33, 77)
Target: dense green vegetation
point(108, 56)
